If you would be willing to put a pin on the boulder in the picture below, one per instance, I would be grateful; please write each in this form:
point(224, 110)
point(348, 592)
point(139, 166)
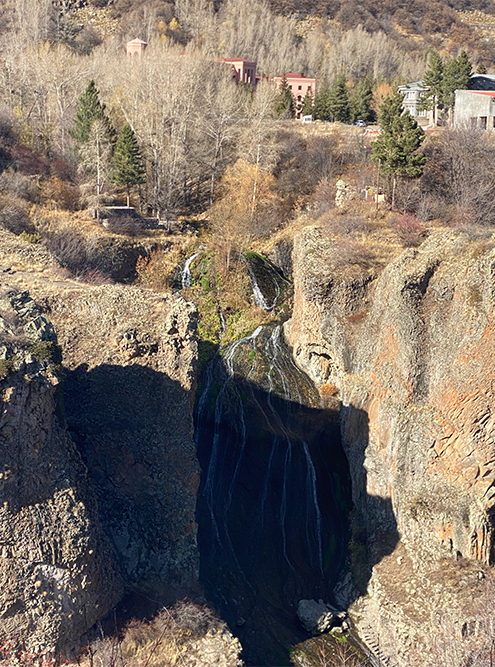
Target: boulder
point(315, 616)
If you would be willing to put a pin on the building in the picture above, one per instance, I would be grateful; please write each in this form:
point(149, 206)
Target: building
point(474, 109)
point(299, 85)
point(242, 70)
point(412, 93)
point(136, 48)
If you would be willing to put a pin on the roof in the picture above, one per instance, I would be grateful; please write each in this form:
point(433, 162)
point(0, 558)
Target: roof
point(490, 93)
point(417, 85)
point(234, 60)
point(136, 41)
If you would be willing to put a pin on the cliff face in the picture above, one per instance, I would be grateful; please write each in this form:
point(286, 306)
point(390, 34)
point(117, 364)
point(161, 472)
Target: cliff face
point(98, 472)
point(409, 351)
point(128, 391)
point(57, 572)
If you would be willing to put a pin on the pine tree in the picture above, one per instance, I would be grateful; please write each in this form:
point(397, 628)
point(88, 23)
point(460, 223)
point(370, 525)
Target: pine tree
point(285, 106)
point(432, 99)
point(340, 105)
point(362, 101)
point(90, 109)
point(456, 76)
point(395, 149)
point(322, 109)
point(127, 161)
point(307, 107)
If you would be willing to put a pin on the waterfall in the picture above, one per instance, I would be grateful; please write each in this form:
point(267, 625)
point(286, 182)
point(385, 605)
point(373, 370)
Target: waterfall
point(271, 528)
point(186, 271)
point(275, 281)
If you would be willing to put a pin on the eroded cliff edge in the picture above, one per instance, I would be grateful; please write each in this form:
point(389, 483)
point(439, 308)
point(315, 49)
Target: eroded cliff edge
point(98, 467)
point(408, 351)
point(57, 571)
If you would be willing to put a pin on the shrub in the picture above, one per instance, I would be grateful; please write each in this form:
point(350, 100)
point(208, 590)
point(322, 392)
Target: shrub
point(69, 248)
point(14, 216)
point(126, 224)
point(60, 194)
point(410, 230)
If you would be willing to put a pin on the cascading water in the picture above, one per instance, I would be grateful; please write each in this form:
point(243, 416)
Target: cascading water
point(274, 283)
point(273, 501)
point(186, 271)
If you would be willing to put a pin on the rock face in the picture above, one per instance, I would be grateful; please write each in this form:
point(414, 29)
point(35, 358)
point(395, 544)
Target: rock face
point(129, 387)
point(57, 572)
point(408, 351)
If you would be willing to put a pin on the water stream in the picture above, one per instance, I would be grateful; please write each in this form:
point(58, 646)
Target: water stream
point(274, 496)
point(186, 271)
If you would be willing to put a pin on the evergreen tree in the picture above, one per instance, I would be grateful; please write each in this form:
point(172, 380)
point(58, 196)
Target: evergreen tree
point(432, 99)
point(127, 161)
point(340, 105)
point(285, 106)
point(456, 76)
point(361, 102)
point(307, 107)
point(395, 148)
point(90, 109)
point(322, 109)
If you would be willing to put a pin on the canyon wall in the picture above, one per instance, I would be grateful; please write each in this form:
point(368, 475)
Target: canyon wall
point(57, 571)
point(408, 350)
point(98, 473)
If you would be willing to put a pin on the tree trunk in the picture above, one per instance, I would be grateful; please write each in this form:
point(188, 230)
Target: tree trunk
point(128, 196)
point(394, 184)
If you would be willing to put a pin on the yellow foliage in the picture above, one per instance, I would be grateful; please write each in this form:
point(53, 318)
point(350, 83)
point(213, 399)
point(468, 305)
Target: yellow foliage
point(174, 24)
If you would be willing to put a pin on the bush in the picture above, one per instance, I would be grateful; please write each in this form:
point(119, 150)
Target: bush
point(14, 216)
point(410, 230)
point(69, 248)
point(126, 225)
point(60, 194)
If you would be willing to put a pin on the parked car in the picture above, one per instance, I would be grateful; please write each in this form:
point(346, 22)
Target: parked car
point(361, 123)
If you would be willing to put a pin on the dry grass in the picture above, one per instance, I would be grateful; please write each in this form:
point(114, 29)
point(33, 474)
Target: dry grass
point(187, 634)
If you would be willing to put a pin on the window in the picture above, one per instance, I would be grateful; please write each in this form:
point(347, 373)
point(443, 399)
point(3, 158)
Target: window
point(483, 120)
point(290, 87)
point(299, 87)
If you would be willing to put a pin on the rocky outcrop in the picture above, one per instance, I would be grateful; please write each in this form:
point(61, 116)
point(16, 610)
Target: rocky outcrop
point(408, 351)
point(129, 385)
point(57, 572)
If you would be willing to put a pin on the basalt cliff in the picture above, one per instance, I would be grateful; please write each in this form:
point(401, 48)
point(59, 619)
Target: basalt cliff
point(408, 351)
point(98, 473)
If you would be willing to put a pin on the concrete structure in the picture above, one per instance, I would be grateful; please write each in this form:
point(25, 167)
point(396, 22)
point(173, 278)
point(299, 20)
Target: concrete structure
point(242, 70)
point(412, 93)
point(136, 48)
point(474, 109)
point(299, 85)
